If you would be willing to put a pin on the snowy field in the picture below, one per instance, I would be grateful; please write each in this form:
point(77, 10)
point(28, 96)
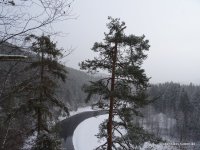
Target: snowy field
point(84, 135)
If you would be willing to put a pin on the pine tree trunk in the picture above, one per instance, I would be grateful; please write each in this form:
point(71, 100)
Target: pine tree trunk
point(39, 121)
point(110, 119)
point(41, 94)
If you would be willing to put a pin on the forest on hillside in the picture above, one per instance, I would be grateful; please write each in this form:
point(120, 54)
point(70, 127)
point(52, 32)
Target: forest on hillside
point(175, 112)
point(38, 87)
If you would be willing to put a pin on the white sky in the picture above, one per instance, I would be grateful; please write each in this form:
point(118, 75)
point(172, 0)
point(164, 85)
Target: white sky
point(171, 26)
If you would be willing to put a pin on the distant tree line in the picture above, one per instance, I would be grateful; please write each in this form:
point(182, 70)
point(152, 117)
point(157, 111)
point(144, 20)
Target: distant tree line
point(181, 106)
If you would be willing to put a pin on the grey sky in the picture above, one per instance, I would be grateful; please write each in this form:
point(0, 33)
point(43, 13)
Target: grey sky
point(171, 26)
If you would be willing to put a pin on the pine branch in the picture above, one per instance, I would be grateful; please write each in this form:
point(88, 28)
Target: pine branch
point(12, 57)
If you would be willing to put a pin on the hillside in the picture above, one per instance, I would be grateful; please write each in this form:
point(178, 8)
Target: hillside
point(71, 91)
point(174, 115)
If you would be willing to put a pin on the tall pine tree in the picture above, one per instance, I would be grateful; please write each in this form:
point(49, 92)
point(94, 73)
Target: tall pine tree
point(43, 98)
point(35, 94)
point(123, 91)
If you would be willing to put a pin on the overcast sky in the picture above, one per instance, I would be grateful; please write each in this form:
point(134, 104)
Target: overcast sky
point(171, 26)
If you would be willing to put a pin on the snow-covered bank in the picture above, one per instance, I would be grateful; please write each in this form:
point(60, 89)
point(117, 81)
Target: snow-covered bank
point(29, 142)
point(84, 136)
point(79, 110)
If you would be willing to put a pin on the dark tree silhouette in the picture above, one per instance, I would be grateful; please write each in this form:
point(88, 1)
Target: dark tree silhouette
point(34, 96)
point(121, 56)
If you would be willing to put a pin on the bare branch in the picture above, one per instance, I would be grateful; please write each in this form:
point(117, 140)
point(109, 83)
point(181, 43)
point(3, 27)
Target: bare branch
point(25, 17)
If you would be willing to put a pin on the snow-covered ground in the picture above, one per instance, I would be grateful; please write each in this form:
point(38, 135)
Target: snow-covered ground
point(84, 136)
point(31, 139)
point(79, 110)
point(82, 109)
point(150, 146)
point(29, 142)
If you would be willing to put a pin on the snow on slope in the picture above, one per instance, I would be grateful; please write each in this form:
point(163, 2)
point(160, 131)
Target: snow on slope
point(79, 110)
point(84, 136)
point(29, 142)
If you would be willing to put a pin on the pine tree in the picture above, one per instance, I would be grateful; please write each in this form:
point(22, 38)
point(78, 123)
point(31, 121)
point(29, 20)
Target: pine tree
point(35, 94)
point(123, 91)
point(43, 99)
point(185, 109)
